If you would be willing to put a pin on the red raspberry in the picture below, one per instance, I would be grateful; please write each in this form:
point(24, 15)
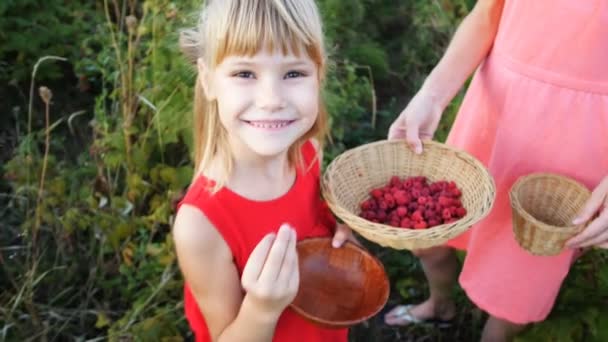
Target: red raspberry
point(417, 216)
point(368, 205)
point(372, 214)
point(382, 205)
point(416, 193)
point(406, 223)
point(446, 214)
point(401, 211)
point(401, 199)
point(420, 225)
point(381, 215)
point(461, 212)
point(433, 222)
point(444, 201)
point(377, 193)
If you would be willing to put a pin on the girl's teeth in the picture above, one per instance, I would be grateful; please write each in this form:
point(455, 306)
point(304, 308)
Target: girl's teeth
point(270, 125)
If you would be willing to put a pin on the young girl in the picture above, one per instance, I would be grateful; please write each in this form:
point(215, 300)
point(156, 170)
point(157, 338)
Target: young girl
point(258, 126)
point(538, 103)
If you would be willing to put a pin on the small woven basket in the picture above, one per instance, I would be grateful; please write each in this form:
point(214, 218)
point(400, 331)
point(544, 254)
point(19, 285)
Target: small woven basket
point(349, 178)
point(543, 207)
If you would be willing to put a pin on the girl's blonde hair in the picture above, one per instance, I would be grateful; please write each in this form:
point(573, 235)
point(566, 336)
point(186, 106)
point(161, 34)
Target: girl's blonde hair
point(243, 28)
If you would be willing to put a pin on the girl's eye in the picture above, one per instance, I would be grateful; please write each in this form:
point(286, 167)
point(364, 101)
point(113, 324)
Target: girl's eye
point(244, 74)
point(294, 74)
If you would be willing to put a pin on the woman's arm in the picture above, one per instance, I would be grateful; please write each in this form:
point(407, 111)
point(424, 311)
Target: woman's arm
point(469, 46)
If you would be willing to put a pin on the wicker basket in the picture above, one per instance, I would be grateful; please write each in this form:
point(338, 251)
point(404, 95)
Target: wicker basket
point(350, 176)
point(543, 207)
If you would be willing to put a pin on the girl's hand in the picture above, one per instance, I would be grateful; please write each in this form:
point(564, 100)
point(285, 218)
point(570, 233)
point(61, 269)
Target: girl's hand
point(271, 276)
point(596, 233)
point(417, 121)
point(342, 234)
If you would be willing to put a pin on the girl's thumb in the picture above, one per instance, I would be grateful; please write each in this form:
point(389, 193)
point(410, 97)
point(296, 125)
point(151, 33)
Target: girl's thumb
point(339, 237)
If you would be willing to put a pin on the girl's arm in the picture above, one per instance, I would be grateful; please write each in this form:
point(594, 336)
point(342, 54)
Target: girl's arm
point(469, 46)
point(207, 265)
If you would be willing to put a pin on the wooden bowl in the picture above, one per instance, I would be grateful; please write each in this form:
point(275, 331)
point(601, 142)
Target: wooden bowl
point(339, 287)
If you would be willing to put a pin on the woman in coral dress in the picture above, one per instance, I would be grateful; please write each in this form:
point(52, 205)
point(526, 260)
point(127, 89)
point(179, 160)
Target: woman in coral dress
point(538, 103)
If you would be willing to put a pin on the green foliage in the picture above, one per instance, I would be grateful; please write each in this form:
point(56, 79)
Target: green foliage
point(51, 27)
point(87, 251)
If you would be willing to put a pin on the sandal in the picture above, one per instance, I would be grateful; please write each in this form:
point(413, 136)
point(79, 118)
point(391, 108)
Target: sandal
point(403, 313)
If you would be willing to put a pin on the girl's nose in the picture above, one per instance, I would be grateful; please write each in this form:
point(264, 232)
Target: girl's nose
point(269, 96)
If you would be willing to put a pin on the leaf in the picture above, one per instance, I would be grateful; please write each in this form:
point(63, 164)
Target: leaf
point(102, 320)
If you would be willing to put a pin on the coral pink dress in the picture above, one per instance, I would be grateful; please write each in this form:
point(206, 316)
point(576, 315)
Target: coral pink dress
point(539, 103)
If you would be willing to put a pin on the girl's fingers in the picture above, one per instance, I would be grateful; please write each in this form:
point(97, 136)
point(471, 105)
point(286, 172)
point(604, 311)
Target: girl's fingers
point(276, 255)
point(290, 261)
point(294, 279)
point(256, 261)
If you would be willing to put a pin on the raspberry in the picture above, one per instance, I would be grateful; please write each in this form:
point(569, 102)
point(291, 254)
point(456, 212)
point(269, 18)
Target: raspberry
point(401, 211)
point(416, 193)
point(444, 201)
point(420, 225)
point(461, 212)
point(377, 193)
point(446, 214)
point(382, 205)
point(433, 222)
point(406, 223)
point(417, 216)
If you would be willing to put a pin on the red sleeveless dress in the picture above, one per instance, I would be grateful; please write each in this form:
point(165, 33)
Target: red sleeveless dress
point(243, 223)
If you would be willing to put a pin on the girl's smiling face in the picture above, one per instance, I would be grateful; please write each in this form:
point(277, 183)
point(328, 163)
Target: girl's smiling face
point(266, 101)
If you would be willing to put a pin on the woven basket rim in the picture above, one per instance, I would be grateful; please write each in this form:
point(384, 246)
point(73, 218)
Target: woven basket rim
point(516, 204)
point(383, 229)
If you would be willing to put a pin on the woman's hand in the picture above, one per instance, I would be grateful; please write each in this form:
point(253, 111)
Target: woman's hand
point(595, 212)
point(417, 121)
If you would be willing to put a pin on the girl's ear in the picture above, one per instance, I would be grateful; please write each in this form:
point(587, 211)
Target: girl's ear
point(205, 79)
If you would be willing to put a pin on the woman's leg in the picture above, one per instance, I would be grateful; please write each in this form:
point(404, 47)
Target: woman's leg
point(441, 269)
point(499, 330)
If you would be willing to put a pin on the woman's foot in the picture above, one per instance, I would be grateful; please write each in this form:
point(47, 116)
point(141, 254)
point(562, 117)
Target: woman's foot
point(427, 312)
